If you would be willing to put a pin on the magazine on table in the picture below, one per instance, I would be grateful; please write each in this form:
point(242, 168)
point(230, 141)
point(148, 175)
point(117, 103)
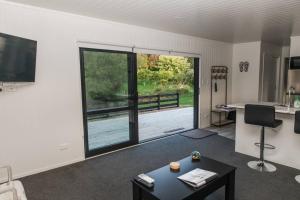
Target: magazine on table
point(197, 177)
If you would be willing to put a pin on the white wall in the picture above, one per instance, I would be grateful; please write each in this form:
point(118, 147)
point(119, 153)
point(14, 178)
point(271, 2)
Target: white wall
point(37, 118)
point(295, 46)
point(245, 85)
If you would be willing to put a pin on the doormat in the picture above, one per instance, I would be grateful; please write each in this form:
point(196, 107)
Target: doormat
point(198, 134)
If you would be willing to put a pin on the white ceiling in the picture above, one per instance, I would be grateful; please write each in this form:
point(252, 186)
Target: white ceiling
point(224, 20)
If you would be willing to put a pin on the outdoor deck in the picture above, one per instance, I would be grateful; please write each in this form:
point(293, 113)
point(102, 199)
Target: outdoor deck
point(151, 125)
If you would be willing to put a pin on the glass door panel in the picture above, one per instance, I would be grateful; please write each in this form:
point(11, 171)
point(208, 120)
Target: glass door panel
point(108, 99)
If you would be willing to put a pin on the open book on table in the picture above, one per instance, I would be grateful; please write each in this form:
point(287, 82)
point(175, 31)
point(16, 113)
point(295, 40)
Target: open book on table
point(197, 177)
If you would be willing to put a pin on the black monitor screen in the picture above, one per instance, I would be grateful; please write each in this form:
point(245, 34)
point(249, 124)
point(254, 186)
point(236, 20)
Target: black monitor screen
point(17, 59)
point(295, 63)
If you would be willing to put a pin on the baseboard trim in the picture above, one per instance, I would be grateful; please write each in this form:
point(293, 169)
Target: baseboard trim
point(44, 169)
point(132, 146)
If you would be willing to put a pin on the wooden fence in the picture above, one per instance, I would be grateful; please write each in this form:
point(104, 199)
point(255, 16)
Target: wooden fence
point(145, 103)
point(158, 102)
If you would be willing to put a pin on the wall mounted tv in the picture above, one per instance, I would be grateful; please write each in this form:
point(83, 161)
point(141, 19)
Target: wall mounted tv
point(17, 59)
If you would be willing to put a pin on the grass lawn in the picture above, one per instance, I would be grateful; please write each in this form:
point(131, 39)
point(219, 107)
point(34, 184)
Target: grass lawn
point(186, 99)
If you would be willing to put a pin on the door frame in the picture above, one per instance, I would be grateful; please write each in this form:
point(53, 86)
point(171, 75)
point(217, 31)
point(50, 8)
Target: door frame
point(262, 74)
point(132, 103)
point(196, 91)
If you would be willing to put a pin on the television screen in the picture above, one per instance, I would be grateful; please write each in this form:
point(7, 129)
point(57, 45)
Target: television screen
point(17, 59)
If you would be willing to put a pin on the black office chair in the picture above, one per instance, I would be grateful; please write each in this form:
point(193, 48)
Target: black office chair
point(264, 116)
point(297, 131)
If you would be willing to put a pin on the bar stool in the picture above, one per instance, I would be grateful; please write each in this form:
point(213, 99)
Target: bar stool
point(297, 131)
point(264, 116)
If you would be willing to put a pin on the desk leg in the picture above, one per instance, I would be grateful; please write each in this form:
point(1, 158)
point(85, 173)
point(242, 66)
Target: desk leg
point(230, 185)
point(136, 192)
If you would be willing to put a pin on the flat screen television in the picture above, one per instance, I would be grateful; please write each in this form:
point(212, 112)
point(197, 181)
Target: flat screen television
point(17, 59)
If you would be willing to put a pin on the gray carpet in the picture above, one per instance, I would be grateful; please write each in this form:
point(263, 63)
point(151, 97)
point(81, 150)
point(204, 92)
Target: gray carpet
point(108, 177)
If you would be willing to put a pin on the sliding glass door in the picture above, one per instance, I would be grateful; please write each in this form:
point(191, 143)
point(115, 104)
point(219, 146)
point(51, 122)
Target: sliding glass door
point(109, 99)
point(168, 95)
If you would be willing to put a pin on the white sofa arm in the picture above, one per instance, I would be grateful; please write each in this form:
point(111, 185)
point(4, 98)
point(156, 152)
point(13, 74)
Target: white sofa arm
point(9, 172)
point(9, 189)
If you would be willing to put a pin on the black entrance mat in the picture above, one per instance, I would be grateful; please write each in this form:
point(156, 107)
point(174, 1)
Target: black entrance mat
point(198, 134)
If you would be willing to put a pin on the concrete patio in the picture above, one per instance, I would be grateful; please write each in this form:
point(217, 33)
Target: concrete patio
point(155, 124)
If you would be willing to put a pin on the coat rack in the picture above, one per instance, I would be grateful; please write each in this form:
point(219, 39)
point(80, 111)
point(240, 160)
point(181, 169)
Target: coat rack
point(219, 73)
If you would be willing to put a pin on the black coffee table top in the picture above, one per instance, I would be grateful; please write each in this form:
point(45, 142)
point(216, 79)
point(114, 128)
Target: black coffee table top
point(168, 186)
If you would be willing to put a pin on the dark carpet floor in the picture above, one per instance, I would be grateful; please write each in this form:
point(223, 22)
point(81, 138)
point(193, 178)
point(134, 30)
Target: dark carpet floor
point(108, 177)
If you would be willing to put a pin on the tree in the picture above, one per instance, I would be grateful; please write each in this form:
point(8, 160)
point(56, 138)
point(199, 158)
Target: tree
point(105, 75)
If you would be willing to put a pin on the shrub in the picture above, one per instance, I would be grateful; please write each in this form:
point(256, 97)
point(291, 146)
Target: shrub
point(105, 75)
point(168, 73)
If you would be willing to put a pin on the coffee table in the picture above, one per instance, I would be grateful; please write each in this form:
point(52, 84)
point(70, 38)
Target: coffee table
point(168, 187)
